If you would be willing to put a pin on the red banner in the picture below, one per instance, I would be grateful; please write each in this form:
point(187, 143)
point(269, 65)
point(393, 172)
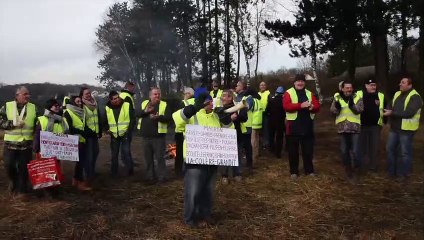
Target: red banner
point(44, 172)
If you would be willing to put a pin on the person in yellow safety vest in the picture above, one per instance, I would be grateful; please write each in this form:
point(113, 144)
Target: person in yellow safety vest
point(265, 97)
point(199, 180)
point(227, 101)
point(372, 120)
point(94, 130)
point(347, 108)
point(257, 117)
point(51, 121)
point(127, 94)
point(118, 118)
point(18, 119)
point(153, 126)
point(179, 136)
point(404, 118)
point(215, 92)
point(65, 101)
point(75, 119)
point(243, 94)
point(300, 106)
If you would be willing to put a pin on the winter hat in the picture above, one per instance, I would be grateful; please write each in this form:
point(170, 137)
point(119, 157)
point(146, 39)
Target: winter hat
point(299, 77)
point(50, 103)
point(371, 80)
point(202, 90)
point(280, 90)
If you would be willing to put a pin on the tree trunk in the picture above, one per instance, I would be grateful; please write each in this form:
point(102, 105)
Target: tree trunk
point(237, 28)
point(257, 38)
point(351, 52)
point(314, 66)
point(404, 30)
point(420, 81)
point(210, 53)
point(245, 50)
point(227, 63)
point(217, 52)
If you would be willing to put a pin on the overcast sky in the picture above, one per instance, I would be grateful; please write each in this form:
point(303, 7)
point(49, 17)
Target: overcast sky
point(53, 41)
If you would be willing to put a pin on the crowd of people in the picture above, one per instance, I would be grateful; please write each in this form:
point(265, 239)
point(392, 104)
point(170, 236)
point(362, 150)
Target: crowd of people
point(263, 121)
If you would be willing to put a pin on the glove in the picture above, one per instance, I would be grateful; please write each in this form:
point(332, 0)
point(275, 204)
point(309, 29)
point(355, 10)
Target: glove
point(199, 102)
point(337, 105)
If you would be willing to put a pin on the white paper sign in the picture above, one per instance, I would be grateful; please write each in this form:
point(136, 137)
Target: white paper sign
point(211, 146)
point(61, 146)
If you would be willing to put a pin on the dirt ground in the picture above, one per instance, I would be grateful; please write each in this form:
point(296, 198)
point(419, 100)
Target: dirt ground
point(266, 205)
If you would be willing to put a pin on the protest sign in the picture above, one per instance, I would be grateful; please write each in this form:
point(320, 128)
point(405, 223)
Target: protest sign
point(61, 146)
point(211, 146)
point(44, 173)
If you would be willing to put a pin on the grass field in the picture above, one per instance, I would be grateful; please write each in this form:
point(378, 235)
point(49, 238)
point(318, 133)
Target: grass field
point(267, 205)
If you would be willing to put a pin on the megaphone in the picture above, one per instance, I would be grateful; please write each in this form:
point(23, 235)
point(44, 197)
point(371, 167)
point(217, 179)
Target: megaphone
point(237, 107)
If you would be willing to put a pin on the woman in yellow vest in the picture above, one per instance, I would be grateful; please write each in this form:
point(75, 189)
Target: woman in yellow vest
point(51, 121)
point(75, 119)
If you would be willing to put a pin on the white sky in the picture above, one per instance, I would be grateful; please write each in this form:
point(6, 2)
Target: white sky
point(53, 41)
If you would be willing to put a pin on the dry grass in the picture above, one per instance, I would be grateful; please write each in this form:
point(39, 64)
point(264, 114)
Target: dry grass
point(266, 205)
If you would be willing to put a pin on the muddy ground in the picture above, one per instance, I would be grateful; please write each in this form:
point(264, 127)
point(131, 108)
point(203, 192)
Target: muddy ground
point(266, 205)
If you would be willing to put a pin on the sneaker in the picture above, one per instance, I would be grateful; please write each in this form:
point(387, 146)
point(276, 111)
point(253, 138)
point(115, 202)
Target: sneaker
point(293, 176)
point(237, 178)
point(224, 181)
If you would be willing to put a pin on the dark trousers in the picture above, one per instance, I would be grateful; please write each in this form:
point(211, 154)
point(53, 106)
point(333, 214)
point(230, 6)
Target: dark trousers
point(307, 145)
point(91, 154)
point(370, 140)
point(15, 163)
point(247, 145)
point(276, 135)
point(179, 141)
point(130, 137)
point(199, 185)
point(349, 143)
point(81, 165)
point(122, 143)
point(154, 161)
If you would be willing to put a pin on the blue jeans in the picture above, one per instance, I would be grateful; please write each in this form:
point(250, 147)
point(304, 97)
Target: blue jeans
point(123, 144)
point(349, 143)
point(399, 153)
point(199, 185)
point(91, 154)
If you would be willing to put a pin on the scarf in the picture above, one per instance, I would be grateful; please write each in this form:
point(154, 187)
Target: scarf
point(18, 118)
point(77, 110)
point(54, 118)
point(91, 104)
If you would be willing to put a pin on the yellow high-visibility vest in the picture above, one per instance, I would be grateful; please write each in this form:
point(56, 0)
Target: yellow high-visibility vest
point(346, 113)
point(257, 111)
point(162, 127)
point(92, 119)
point(77, 122)
point(360, 93)
point(44, 121)
point(124, 95)
point(120, 127)
point(20, 134)
point(264, 99)
point(409, 124)
point(218, 94)
point(293, 96)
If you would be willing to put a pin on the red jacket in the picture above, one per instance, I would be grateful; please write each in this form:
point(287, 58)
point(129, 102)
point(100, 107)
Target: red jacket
point(303, 125)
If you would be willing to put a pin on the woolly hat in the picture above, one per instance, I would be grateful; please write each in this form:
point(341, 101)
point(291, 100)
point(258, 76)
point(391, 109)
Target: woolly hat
point(50, 103)
point(280, 90)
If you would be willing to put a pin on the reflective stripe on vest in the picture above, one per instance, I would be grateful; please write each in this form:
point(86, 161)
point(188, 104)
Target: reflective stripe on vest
point(162, 127)
point(20, 134)
point(360, 93)
point(346, 113)
point(77, 123)
point(124, 95)
point(119, 129)
point(293, 96)
point(409, 124)
point(44, 121)
point(257, 114)
point(264, 99)
point(92, 119)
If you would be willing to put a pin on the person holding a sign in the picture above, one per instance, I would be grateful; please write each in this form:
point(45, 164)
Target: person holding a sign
point(18, 118)
point(153, 126)
point(300, 106)
point(75, 118)
point(199, 179)
point(119, 114)
point(51, 121)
